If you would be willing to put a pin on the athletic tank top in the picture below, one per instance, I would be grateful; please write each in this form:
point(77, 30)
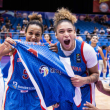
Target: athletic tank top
point(77, 59)
point(17, 75)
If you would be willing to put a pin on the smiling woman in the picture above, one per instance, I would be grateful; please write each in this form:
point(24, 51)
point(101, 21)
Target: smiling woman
point(27, 93)
point(100, 55)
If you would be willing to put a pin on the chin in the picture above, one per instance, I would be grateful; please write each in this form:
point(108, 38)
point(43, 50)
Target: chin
point(67, 48)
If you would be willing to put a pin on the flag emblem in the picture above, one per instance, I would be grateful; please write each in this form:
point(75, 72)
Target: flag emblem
point(44, 70)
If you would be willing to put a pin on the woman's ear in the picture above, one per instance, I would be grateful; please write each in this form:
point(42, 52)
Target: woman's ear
point(25, 34)
point(55, 34)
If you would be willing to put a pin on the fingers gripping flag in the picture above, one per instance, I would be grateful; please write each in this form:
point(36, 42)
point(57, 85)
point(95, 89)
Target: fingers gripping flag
point(49, 73)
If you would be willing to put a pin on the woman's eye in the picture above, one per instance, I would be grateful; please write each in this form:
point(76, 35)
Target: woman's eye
point(37, 35)
point(30, 33)
point(61, 31)
point(69, 30)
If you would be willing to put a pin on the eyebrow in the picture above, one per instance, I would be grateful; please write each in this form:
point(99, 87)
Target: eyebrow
point(33, 30)
point(95, 38)
point(64, 29)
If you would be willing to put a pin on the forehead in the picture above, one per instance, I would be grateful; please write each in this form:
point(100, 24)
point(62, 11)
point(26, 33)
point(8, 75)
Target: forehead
point(33, 27)
point(46, 35)
point(95, 37)
point(64, 25)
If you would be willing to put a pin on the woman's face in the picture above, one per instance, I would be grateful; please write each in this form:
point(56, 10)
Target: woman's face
point(108, 48)
point(88, 35)
point(34, 33)
point(65, 33)
point(47, 37)
point(3, 26)
point(94, 39)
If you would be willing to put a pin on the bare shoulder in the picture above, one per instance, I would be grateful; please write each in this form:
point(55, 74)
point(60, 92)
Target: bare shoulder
point(99, 48)
point(79, 38)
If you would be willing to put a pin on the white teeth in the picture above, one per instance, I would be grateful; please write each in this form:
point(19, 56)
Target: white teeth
point(66, 39)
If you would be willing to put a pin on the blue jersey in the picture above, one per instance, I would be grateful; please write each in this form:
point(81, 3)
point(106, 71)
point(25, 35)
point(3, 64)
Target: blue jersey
point(108, 57)
point(104, 52)
point(78, 64)
point(45, 70)
point(17, 76)
point(0, 69)
point(41, 64)
point(5, 70)
point(97, 51)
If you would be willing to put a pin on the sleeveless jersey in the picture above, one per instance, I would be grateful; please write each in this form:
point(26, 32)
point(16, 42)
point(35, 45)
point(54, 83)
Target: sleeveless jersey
point(45, 68)
point(78, 62)
point(97, 51)
point(0, 70)
point(108, 57)
point(104, 52)
point(17, 75)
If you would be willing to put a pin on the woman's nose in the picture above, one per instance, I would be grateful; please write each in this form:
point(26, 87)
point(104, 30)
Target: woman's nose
point(66, 34)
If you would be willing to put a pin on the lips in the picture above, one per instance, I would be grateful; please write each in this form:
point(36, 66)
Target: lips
point(67, 42)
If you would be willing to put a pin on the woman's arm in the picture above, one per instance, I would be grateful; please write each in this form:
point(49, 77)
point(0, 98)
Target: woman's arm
point(91, 64)
point(101, 88)
point(94, 75)
point(79, 81)
point(102, 55)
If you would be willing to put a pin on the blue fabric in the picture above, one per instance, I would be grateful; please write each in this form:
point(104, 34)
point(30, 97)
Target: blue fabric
point(77, 63)
point(43, 40)
point(5, 70)
point(104, 52)
point(48, 72)
point(66, 105)
point(19, 78)
point(97, 51)
point(100, 58)
point(79, 67)
point(16, 100)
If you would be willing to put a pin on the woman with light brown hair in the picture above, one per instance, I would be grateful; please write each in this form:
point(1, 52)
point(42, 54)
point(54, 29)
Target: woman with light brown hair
point(84, 67)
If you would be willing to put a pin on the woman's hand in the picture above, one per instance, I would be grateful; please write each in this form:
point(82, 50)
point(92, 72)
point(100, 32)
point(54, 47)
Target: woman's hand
point(8, 41)
point(77, 81)
point(104, 70)
point(53, 47)
point(99, 86)
point(55, 105)
point(89, 106)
